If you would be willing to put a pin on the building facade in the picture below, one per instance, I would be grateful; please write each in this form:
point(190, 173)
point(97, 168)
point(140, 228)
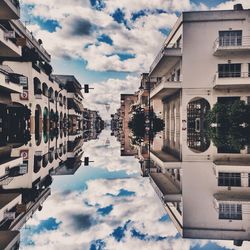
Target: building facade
point(205, 60)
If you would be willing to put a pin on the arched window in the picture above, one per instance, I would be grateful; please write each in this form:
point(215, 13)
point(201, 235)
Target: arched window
point(37, 86)
point(45, 89)
point(197, 138)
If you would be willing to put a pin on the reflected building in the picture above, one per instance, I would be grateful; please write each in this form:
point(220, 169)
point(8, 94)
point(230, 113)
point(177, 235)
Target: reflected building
point(127, 101)
point(92, 124)
point(204, 189)
point(41, 124)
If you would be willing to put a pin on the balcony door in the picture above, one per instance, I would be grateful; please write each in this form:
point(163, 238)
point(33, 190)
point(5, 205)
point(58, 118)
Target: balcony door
point(230, 38)
point(229, 70)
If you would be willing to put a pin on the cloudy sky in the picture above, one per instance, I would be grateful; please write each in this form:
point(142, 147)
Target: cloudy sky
point(107, 206)
point(107, 43)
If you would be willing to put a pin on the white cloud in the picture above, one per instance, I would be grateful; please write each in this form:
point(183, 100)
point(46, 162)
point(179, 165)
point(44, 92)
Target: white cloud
point(111, 160)
point(228, 5)
point(108, 92)
point(66, 208)
point(143, 39)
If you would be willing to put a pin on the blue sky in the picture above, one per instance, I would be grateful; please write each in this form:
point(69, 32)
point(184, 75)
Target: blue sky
point(107, 44)
point(106, 206)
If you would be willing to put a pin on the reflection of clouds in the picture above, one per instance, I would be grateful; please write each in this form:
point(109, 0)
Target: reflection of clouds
point(81, 223)
point(107, 212)
point(134, 219)
point(108, 157)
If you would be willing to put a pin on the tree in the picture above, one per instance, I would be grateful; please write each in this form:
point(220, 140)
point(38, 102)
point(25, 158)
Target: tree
point(145, 124)
point(232, 130)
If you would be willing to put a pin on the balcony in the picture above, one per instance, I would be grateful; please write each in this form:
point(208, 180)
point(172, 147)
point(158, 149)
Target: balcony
point(232, 45)
point(166, 188)
point(232, 196)
point(30, 41)
point(11, 82)
point(165, 160)
point(8, 47)
point(231, 80)
point(165, 88)
point(165, 60)
point(9, 9)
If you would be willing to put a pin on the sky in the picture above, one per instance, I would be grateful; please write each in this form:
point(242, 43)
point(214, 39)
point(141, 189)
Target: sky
point(107, 43)
point(106, 206)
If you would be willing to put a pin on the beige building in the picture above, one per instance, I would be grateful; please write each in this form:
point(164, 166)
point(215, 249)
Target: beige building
point(127, 101)
point(204, 60)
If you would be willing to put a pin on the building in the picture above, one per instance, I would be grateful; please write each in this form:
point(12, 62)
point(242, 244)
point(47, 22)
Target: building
point(41, 124)
point(74, 101)
point(92, 124)
point(127, 101)
point(205, 60)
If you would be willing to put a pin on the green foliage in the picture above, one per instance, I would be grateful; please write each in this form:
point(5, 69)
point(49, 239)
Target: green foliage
point(145, 124)
point(233, 125)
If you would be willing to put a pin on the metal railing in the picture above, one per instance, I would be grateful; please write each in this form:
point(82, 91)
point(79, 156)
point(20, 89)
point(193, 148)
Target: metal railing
point(232, 75)
point(31, 38)
point(164, 79)
point(10, 75)
point(232, 41)
point(162, 51)
point(6, 34)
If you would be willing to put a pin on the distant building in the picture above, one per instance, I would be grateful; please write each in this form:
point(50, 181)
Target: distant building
point(127, 101)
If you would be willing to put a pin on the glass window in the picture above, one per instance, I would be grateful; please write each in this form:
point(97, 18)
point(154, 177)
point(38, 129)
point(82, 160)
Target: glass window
point(230, 211)
point(230, 38)
point(229, 70)
point(229, 179)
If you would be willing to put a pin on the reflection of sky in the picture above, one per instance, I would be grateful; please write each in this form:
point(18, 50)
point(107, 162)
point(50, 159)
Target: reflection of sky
point(105, 207)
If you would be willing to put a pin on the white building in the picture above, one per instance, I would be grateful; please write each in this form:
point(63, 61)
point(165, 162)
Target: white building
point(204, 60)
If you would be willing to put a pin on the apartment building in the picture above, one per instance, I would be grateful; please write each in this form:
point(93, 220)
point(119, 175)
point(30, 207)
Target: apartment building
point(204, 60)
point(193, 78)
point(127, 101)
point(74, 101)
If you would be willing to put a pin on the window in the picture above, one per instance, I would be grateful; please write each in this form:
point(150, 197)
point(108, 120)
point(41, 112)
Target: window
point(230, 38)
point(178, 75)
point(229, 179)
point(230, 211)
point(197, 124)
point(178, 42)
point(172, 77)
point(229, 70)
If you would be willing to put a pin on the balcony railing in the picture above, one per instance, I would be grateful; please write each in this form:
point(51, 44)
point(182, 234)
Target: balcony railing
point(233, 42)
point(32, 41)
point(12, 77)
point(233, 79)
point(232, 74)
point(161, 53)
point(9, 35)
point(164, 79)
